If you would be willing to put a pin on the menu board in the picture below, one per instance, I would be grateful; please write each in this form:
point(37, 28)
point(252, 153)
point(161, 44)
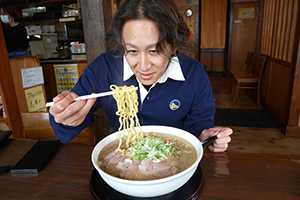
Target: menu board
point(66, 77)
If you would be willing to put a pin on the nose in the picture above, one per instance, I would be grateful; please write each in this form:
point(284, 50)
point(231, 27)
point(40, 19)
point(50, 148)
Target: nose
point(144, 62)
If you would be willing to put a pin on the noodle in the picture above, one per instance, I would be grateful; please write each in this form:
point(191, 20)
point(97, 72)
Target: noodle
point(127, 102)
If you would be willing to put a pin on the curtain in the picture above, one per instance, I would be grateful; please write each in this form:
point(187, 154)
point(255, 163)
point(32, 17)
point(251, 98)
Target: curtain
point(279, 28)
point(213, 24)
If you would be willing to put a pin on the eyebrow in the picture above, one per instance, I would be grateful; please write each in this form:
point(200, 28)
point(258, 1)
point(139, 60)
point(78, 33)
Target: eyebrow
point(132, 45)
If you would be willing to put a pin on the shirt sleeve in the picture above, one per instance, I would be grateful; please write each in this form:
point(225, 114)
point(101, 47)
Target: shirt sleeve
point(85, 85)
point(68, 133)
point(200, 116)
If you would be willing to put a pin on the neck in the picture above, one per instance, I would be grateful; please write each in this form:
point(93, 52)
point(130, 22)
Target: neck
point(13, 23)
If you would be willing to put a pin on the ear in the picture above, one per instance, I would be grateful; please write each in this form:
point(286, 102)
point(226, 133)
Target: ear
point(174, 51)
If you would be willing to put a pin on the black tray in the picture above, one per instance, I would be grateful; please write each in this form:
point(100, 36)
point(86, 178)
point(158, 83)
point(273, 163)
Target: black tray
point(191, 190)
point(4, 135)
point(35, 159)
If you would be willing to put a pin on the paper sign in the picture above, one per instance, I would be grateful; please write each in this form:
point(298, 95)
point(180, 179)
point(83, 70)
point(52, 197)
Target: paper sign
point(69, 19)
point(246, 13)
point(66, 77)
point(33, 30)
point(35, 99)
point(192, 2)
point(32, 76)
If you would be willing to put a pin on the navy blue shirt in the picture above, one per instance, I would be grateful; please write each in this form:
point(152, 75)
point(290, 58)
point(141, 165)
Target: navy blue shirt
point(188, 104)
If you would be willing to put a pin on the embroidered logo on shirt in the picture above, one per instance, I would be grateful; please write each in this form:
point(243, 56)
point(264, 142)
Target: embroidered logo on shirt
point(174, 104)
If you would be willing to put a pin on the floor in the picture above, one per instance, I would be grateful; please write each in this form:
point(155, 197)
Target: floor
point(251, 140)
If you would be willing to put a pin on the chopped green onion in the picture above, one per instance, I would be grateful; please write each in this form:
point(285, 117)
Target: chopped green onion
point(151, 148)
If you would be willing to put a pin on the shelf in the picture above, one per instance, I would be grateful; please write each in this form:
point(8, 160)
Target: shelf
point(51, 21)
point(45, 3)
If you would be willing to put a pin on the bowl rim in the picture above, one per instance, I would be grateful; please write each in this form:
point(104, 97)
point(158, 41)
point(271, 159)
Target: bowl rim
point(155, 181)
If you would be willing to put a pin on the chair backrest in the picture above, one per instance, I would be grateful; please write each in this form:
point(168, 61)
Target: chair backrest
point(259, 63)
point(261, 68)
point(249, 60)
point(253, 62)
point(36, 126)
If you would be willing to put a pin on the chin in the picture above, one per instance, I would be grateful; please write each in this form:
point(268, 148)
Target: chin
point(147, 82)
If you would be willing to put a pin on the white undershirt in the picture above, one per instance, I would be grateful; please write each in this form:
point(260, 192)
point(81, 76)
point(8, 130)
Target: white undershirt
point(173, 71)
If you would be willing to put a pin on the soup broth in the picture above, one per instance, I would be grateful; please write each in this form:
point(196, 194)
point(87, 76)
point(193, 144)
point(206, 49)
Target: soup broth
point(121, 166)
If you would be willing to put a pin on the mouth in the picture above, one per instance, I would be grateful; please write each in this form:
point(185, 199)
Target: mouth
point(146, 76)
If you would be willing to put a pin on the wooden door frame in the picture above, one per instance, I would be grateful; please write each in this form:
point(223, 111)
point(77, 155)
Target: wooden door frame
point(9, 96)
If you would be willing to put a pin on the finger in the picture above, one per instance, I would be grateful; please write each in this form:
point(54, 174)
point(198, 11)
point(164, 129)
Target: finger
point(206, 134)
point(82, 113)
point(67, 99)
point(62, 95)
point(76, 113)
point(218, 148)
point(70, 113)
point(222, 140)
point(90, 103)
point(224, 132)
point(220, 128)
point(220, 144)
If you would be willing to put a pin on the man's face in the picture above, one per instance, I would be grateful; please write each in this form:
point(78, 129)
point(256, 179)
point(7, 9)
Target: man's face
point(139, 39)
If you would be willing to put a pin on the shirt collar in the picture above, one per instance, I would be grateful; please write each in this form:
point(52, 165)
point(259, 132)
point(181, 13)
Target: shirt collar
point(173, 71)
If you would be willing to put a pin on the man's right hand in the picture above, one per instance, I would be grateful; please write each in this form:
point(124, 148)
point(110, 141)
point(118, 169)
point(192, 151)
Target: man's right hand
point(69, 112)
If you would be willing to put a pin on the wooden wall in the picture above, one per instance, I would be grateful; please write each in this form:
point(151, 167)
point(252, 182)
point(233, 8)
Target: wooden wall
point(279, 42)
point(193, 24)
point(279, 29)
point(213, 61)
point(16, 65)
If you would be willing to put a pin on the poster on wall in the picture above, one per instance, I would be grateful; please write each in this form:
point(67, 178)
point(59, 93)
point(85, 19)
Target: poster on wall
point(66, 77)
point(32, 76)
point(35, 99)
point(246, 13)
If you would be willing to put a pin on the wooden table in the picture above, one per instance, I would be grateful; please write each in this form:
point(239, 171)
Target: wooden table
point(226, 175)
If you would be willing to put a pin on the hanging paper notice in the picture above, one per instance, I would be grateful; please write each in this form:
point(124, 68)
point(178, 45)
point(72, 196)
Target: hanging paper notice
point(246, 13)
point(66, 77)
point(35, 99)
point(32, 76)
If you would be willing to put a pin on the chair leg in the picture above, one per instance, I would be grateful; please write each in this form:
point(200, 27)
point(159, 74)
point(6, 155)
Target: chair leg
point(230, 82)
point(237, 87)
point(232, 88)
point(258, 97)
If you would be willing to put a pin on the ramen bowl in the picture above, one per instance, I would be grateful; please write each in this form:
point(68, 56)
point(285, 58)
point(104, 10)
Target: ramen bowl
point(150, 188)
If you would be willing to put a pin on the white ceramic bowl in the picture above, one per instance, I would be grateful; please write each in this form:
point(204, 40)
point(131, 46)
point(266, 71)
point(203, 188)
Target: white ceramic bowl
point(150, 188)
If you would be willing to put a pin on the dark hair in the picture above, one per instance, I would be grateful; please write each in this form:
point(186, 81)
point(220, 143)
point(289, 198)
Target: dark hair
point(11, 10)
point(172, 27)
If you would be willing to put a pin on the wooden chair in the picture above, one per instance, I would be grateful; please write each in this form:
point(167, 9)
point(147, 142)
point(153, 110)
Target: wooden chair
point(249, 69)
point(250, 81)
point(36, 126)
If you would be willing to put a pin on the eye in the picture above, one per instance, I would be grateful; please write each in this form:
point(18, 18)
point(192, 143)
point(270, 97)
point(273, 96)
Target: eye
point(154, 52)
point(132, 51)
